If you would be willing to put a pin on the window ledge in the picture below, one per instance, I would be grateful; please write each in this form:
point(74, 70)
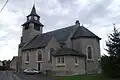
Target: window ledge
point(26, 62)
point(76, 64)
point(90, 60)
point(39, 61)
point(60, 64)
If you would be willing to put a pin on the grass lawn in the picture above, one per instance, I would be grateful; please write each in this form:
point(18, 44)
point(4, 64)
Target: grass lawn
point(84, 77)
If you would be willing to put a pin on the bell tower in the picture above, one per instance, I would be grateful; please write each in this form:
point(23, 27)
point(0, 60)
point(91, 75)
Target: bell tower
point(31, 27)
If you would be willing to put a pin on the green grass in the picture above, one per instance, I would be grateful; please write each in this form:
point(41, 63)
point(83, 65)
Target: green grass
point(84, 77)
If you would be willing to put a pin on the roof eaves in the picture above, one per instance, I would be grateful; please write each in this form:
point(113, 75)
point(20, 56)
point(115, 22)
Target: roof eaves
point(86, 37)
point(56, 55)
point(37, 22)
point(33, 48)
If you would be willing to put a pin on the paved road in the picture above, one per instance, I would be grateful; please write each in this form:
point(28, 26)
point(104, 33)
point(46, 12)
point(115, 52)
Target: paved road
point(34, 77)
point(0, 73)
point(8, 75)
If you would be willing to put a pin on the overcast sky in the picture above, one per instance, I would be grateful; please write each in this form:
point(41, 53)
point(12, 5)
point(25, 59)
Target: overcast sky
point(96, 15)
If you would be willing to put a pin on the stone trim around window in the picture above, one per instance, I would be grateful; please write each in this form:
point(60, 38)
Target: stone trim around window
point(76, 60)
point(51, 50)
point(39, 61)
point(37, 56)
point(27, 56)
point(26, 62)
point(91, 52)
point(58, 65)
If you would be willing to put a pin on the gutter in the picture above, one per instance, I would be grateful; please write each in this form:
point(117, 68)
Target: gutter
point(33, 48)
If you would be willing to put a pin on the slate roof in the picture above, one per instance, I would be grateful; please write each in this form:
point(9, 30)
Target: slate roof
point(67, 52)
point(42, 40)
point(60, 35)
point(84, 32)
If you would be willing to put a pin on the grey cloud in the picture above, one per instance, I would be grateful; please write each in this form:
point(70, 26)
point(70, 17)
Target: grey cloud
point(115, 19)
point(97, 10)
point(86, 15)
point(3, 25)
point(2, 2)
point(42, 9)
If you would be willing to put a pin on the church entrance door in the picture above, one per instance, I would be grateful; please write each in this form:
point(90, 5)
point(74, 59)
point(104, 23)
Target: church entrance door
point(38, 66)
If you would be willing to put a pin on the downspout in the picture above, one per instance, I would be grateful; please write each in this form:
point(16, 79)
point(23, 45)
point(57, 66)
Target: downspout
point(85, 66)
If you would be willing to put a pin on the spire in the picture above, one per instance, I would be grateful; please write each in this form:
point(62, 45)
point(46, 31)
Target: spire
point(33, 17)
point(33, 12)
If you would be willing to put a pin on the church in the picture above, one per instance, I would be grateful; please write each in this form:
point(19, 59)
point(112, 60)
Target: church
point(66, 51)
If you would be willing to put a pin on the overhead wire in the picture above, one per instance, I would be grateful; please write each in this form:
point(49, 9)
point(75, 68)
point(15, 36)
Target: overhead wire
point(4, 6)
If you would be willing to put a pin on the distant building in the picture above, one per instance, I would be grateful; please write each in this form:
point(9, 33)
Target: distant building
point(14, 63)
point(70, 50)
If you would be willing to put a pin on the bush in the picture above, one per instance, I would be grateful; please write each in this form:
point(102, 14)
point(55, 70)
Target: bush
point(110, 66)
point(3, 68)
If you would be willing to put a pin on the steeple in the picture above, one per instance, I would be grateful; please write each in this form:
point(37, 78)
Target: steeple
point(33, 11)
point(33, 17)
point(32, 26)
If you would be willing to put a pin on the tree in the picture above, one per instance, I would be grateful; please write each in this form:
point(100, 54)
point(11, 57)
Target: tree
point(113, 43)
point(111, 64)
point(6, 64)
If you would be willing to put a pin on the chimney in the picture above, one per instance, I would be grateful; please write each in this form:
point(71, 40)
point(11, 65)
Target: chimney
point(77, 23)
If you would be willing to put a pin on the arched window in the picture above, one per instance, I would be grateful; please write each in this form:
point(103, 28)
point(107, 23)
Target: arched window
point(89, 52)
point(50, 55)
point(39, 56)
point(27, 56)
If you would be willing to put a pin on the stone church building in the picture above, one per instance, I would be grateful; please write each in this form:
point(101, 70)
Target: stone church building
point(70, 50)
